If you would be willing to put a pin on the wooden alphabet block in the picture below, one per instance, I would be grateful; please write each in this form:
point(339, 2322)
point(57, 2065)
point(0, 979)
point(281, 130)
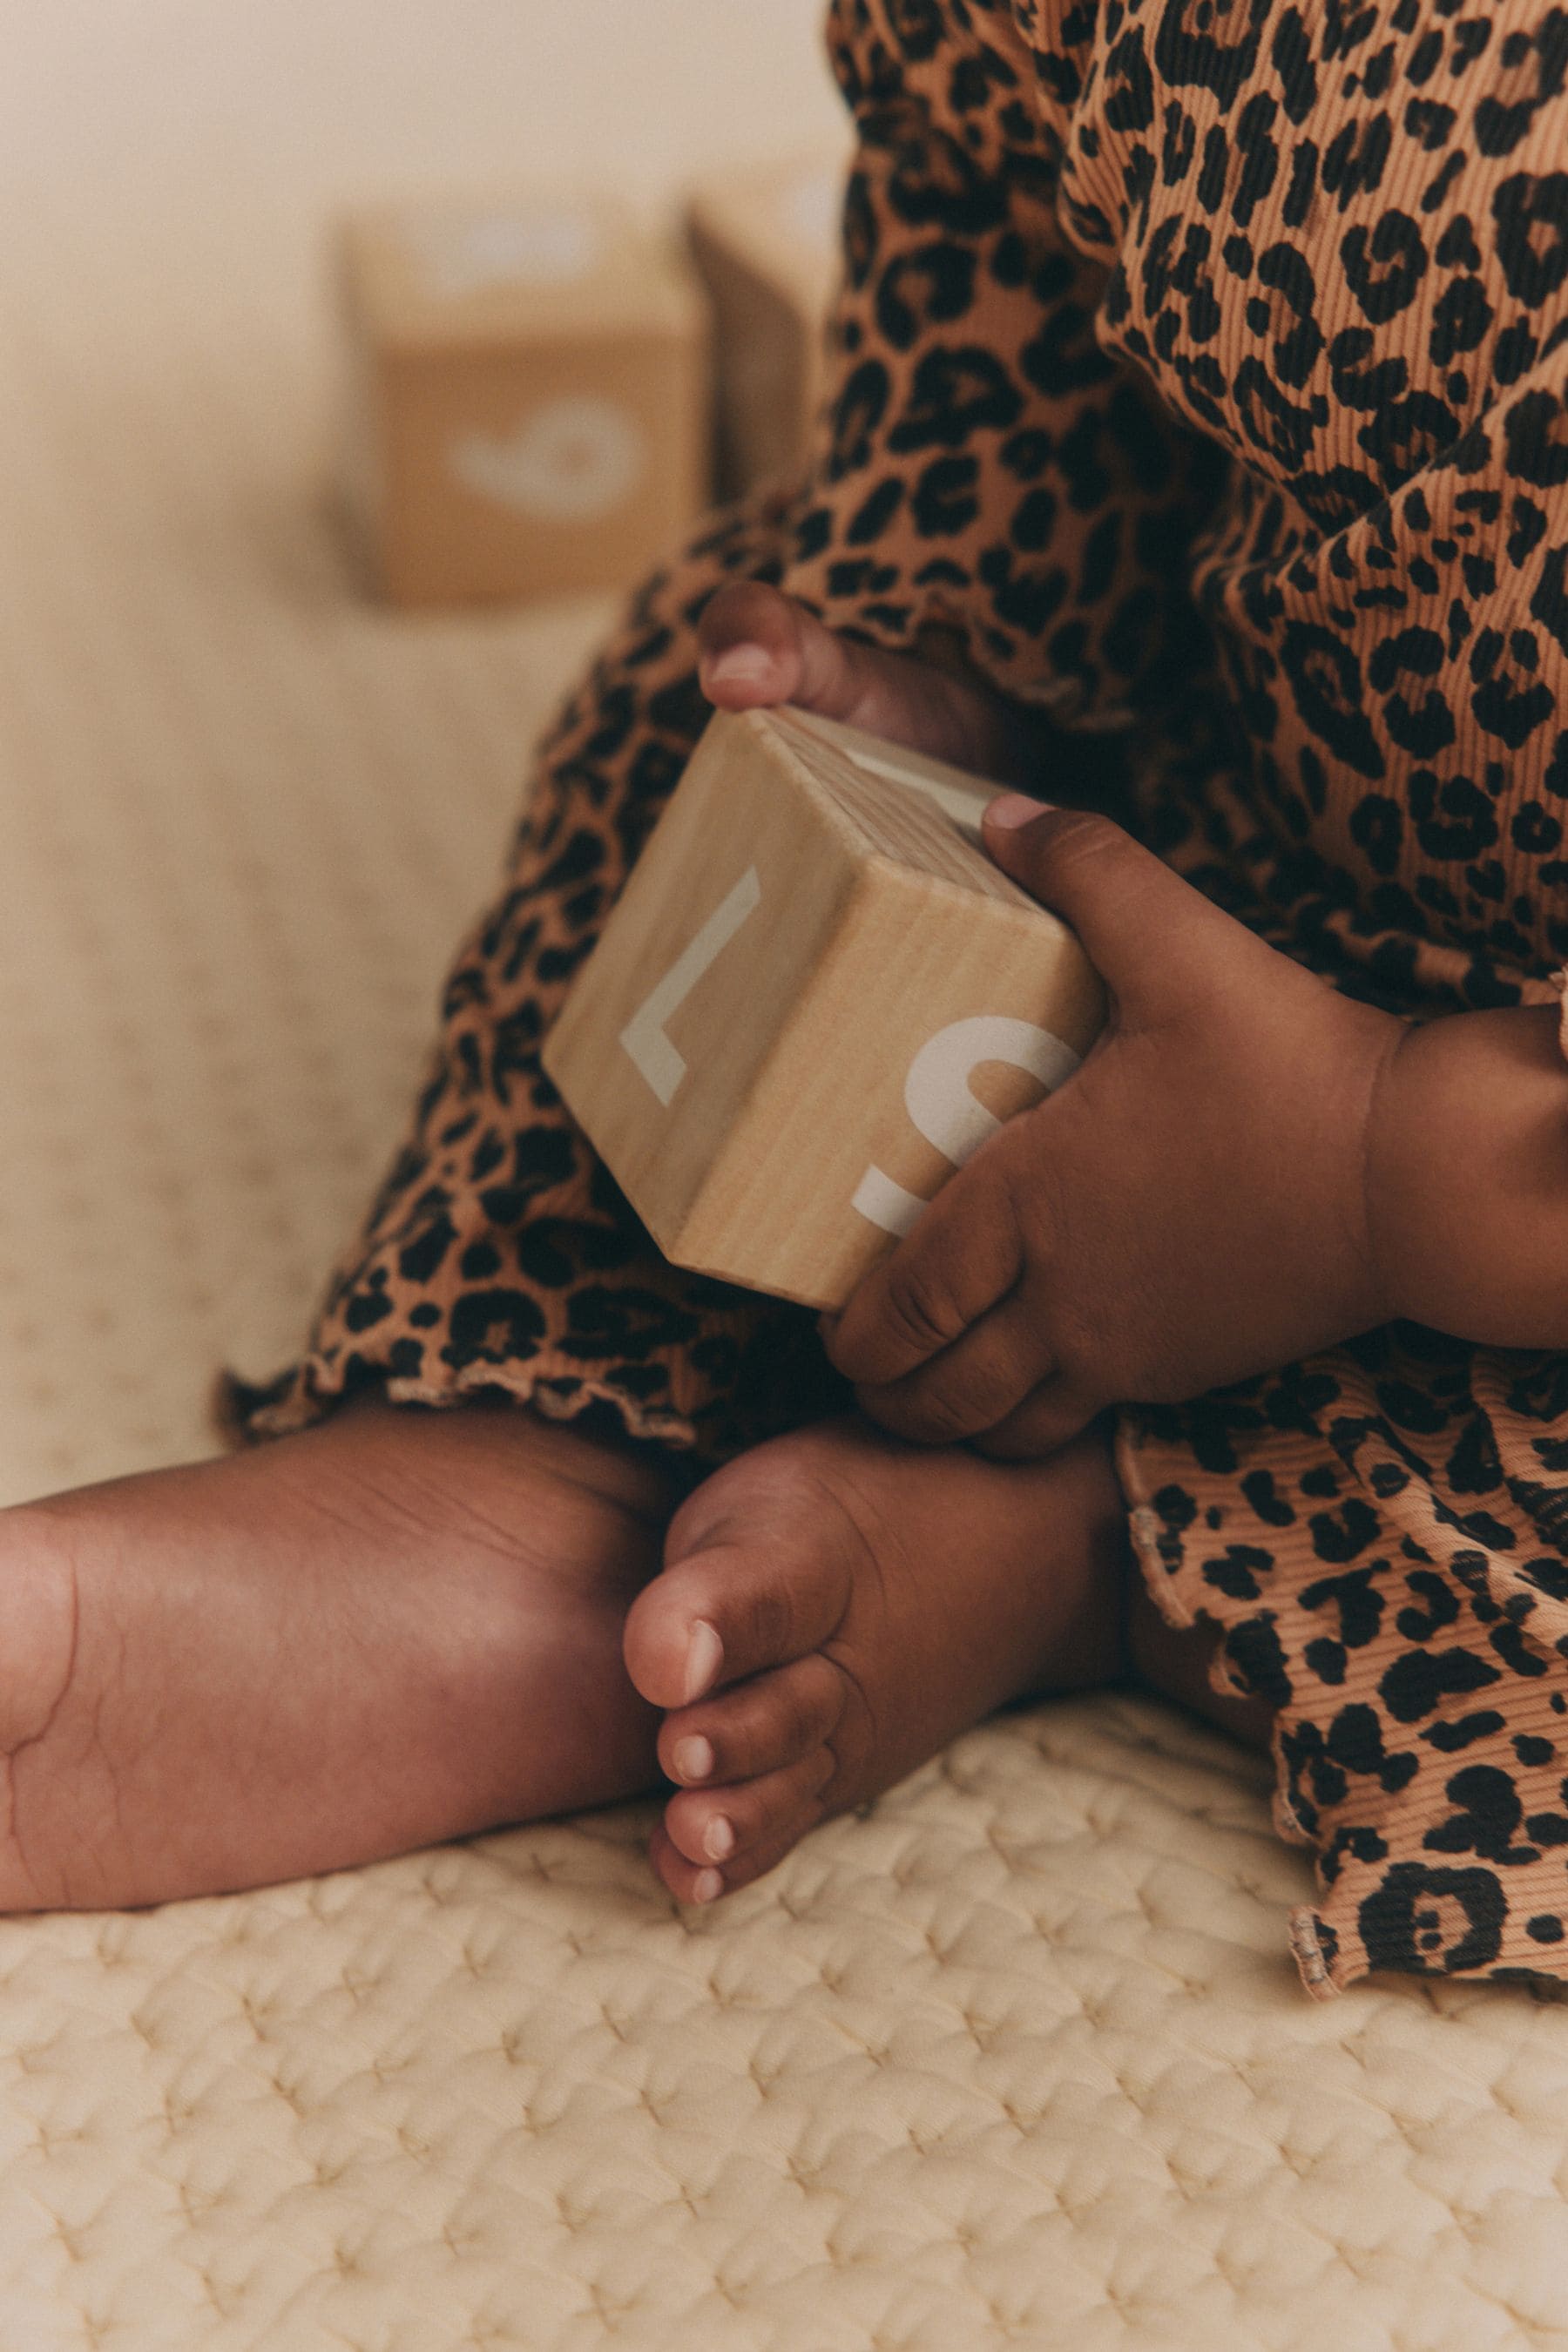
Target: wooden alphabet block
point(767, 245)
point(816, 998)
point(530, 401)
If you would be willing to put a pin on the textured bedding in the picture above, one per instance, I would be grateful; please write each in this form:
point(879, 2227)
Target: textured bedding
point(1019, 2058)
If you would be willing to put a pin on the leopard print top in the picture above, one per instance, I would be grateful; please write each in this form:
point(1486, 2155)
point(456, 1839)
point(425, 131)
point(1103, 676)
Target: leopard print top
point(1203, 365)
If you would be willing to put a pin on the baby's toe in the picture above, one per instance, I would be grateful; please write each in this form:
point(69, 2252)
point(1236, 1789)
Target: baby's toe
point(723, 1826)
point(758, 1727)
point(772, 1831)
point(700, 1885)
point(748, 1598)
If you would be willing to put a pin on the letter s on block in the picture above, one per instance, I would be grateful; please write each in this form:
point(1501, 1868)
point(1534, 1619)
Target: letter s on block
point(644, 1035)
point(943, 1106)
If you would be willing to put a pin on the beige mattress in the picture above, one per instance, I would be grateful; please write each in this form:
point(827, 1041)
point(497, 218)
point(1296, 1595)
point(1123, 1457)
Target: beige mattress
point(1019, 2058)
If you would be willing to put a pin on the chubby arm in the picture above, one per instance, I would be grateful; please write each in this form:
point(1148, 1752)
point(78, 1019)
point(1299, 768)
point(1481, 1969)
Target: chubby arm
point(1468, 1178)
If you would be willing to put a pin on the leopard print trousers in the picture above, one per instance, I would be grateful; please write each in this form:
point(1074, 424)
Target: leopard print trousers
point(1202, 366)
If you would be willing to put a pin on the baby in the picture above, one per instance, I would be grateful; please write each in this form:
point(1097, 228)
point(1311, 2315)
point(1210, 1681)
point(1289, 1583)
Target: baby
point(1196, 450)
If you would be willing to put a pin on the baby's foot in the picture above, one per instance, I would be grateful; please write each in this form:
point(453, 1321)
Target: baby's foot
point(394, 1628)
point(836, 1607)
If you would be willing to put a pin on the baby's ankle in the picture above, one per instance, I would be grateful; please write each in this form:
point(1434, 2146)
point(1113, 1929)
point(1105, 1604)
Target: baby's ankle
point(1175, 1663)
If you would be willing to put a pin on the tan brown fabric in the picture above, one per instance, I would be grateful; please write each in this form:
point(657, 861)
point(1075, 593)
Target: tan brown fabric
point(1202, 367)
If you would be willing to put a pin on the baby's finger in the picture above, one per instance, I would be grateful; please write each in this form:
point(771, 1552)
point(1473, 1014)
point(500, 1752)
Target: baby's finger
point(1048, 1419)
point(974, 1385)
point(759, 647)
point(964, 1255)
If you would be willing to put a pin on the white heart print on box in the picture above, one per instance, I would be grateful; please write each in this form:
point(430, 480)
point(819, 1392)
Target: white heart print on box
point(485, 250)
point(571, 460)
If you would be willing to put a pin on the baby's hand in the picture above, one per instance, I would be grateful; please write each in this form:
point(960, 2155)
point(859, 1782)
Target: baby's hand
point(1187, 1210)
point(759, 647)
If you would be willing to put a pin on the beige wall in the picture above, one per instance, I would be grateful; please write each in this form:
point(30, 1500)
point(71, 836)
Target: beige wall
point(322, 94)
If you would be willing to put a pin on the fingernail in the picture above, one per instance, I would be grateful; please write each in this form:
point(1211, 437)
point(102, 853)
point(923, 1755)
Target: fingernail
point(1012, 810)
point(694, 1761)
point(704, 1656)
point(739, 666)
point(719, 1839)
point(708, 1886)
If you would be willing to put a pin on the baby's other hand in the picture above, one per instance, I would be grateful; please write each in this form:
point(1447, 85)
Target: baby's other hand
point(760, 647)
point(1188, 1209)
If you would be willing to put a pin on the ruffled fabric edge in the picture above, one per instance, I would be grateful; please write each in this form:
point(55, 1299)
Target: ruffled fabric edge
point(249, 1412)
point(1143, 1529)
point(1421, 1759)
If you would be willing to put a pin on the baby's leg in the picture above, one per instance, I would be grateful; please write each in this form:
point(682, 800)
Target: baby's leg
point(393, 1628)
point(390, 1625)
point(402, 1625)
point(838, 1606)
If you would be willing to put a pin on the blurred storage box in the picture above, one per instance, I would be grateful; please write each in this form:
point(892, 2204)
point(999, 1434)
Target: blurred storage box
point(766, 242)
point(530, 396)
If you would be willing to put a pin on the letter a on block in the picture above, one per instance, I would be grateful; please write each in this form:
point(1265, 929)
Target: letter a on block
point(944, 1108)
point(643, 1036)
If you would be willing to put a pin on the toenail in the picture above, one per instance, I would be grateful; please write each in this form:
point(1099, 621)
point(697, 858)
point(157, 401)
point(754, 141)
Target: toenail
point(704, 1656)
point(719, 1839)
point(708, 1886)
point(694, 1760)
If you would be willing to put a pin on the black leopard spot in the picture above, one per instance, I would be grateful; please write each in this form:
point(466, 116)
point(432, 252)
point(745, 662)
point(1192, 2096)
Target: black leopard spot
point(1027, 597)
point(955, 391)
point(1442, 1606)
point(918, 25)
point(1176, 1506)
point(1418, 1682)
point(421, 1259)
point(1341, 1535)
point(1130, 87)
point(1436, 1920)
point(1383, 270)
point(876, 515)
point(543, 1255)
point(1355, 1741)
point(1255, 1649)
point(1325, 675)
point(1501, 122)
point(858, 413)
point(364, 1307)
point(1449, 1737)
point(945, 501)
point(1210, 44)
point(1280, 428)
point(629, 1322)
point(1530, 218)
point(1453, 818)
point(1262, 1492)
point(1234, 1570)
point(932, 285)
point(1490, 1814)
point(1360, 1844)
point(493, 1326)
point(1292, 58)
point(1335, 497)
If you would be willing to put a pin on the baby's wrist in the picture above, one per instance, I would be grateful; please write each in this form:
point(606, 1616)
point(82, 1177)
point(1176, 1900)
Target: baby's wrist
point(1466, 1178)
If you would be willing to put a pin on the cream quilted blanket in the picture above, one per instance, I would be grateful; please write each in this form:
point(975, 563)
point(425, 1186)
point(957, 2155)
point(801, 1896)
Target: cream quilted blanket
point(1019, 2060)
